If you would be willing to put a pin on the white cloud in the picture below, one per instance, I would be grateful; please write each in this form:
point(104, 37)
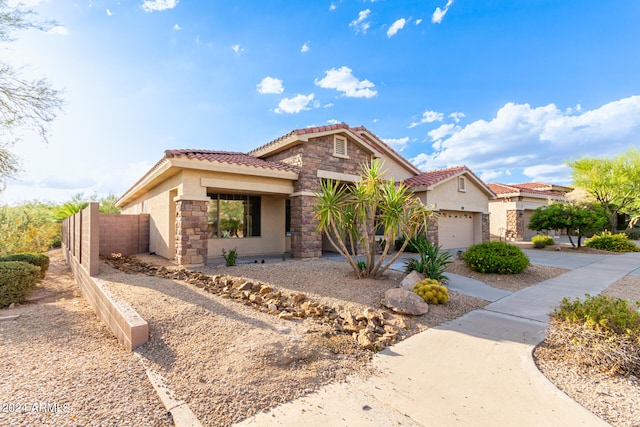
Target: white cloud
point(296, 104)
point(343, 80)
point(438, 14)
point(395, 27)
point(109, 13)
point(26, 3)
point(419, 21)
point(177, 27)
point(457, 116)
point(270, 85)
point(332, 7)
point(361, 24)
point(547, 173)
point(237, 49)
point(158, 5)
point(397, 144)
point(59, 30)
point(428, 117)
point(305, 47)
point(535, 140)
point(333, 121)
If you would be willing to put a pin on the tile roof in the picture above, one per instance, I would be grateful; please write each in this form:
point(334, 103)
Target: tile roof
point(235, 158)
point(433, 177)
point(529, 188)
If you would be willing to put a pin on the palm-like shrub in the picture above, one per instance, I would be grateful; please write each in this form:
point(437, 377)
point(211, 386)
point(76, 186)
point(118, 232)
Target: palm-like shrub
point(432, 261)
point(496, 257)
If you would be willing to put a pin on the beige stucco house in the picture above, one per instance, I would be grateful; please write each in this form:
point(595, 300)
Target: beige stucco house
point(512, 209)
point(203, 201)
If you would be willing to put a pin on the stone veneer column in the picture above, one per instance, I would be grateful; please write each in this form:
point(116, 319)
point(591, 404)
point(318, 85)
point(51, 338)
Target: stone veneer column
point(486, 229)
point(191, 232)
point(515, 224)
point(305, 241)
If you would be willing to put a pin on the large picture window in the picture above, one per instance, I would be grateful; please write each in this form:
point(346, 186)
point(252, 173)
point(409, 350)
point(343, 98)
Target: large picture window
point(233, 216)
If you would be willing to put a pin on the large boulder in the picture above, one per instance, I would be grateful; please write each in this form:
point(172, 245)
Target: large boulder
point(405, 302)
point(410, 280)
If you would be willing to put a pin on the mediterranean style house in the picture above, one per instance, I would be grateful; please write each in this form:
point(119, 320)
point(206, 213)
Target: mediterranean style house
point(261, 202)
point(514, 204)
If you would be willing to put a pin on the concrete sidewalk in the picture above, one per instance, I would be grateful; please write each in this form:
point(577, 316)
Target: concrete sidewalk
point(476, 370)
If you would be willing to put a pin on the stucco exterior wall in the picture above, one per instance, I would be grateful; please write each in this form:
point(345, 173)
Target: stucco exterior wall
point(506, 219)
point(445, 196)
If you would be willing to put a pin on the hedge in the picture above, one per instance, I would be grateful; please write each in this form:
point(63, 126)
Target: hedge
point(17, 280)
point(39, 260)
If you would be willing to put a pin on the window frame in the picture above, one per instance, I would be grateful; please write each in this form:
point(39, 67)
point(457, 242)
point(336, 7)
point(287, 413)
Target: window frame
point(462, 184)
point(251, 216)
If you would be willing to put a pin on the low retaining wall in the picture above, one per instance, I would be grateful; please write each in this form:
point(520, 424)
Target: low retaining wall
point(80, 246)
point(124, 322)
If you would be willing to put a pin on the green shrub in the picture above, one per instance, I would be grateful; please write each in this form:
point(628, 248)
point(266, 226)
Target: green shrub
point(413, 245)
point(599, 331)
point(17, 280)
point(230, 257)
point(432, 261)
point(432, 292)
point(612, 242)
point(542, 241)
point(633, 233)
point(496, 257)
point(39, 260)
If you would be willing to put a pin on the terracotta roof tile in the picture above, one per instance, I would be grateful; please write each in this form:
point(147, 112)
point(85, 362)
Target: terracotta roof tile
point(235, 158)
point(433, 177)
point(530, 188)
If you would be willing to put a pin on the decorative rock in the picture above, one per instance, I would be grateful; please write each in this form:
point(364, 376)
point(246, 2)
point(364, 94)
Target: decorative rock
point(410, 280)
point(405, 302)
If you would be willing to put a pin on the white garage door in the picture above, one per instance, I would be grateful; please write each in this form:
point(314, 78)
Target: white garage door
point(455, 229)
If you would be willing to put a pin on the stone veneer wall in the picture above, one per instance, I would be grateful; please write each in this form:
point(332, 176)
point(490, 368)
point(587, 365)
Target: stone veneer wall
point(315, 154)
point(191, 232)
point(515, 224)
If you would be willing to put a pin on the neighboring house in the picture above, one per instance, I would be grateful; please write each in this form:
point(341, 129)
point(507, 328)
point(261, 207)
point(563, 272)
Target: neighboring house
point(461, 200)
point(511, 211)
point(203, 201)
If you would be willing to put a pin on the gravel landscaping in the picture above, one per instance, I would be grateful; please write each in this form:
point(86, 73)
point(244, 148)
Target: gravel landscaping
point(224, 357)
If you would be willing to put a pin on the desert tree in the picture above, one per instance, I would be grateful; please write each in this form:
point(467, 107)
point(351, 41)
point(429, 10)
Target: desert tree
point(350, 214)
point(24, 104)
point(579, 219)
point(613, 182)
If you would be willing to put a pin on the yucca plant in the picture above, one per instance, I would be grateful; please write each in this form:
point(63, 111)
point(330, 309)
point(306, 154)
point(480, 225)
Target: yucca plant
point(350, 215)
point(432, 262)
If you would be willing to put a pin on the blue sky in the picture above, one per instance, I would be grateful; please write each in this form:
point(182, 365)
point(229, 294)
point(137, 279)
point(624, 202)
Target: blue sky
point(512, 89)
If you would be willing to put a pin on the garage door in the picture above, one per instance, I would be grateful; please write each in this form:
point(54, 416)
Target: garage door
point(455, 229)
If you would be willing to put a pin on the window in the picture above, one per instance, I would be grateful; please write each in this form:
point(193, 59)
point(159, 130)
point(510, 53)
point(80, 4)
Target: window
point(339, 146)
point(462, 183)
point(233, 216)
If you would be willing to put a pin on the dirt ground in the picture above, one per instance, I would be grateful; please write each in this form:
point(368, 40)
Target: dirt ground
point(225, 358)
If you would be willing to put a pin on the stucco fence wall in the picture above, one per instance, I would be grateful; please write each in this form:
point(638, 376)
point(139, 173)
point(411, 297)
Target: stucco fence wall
point(89, 234)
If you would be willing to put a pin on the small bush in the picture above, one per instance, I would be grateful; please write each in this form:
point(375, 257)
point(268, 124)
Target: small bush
point(542, 241)
point(17, 280)
point(230, 257)
point(600, 331)
point(496, 257)
point(39, 260)
point(432, 261)
point(432, 292)
point(612, 242)
point(633, 233)
point(413, 245)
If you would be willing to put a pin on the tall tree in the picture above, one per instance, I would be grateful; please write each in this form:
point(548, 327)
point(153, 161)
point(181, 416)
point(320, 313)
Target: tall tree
point(614, 183)
point(24, 104)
